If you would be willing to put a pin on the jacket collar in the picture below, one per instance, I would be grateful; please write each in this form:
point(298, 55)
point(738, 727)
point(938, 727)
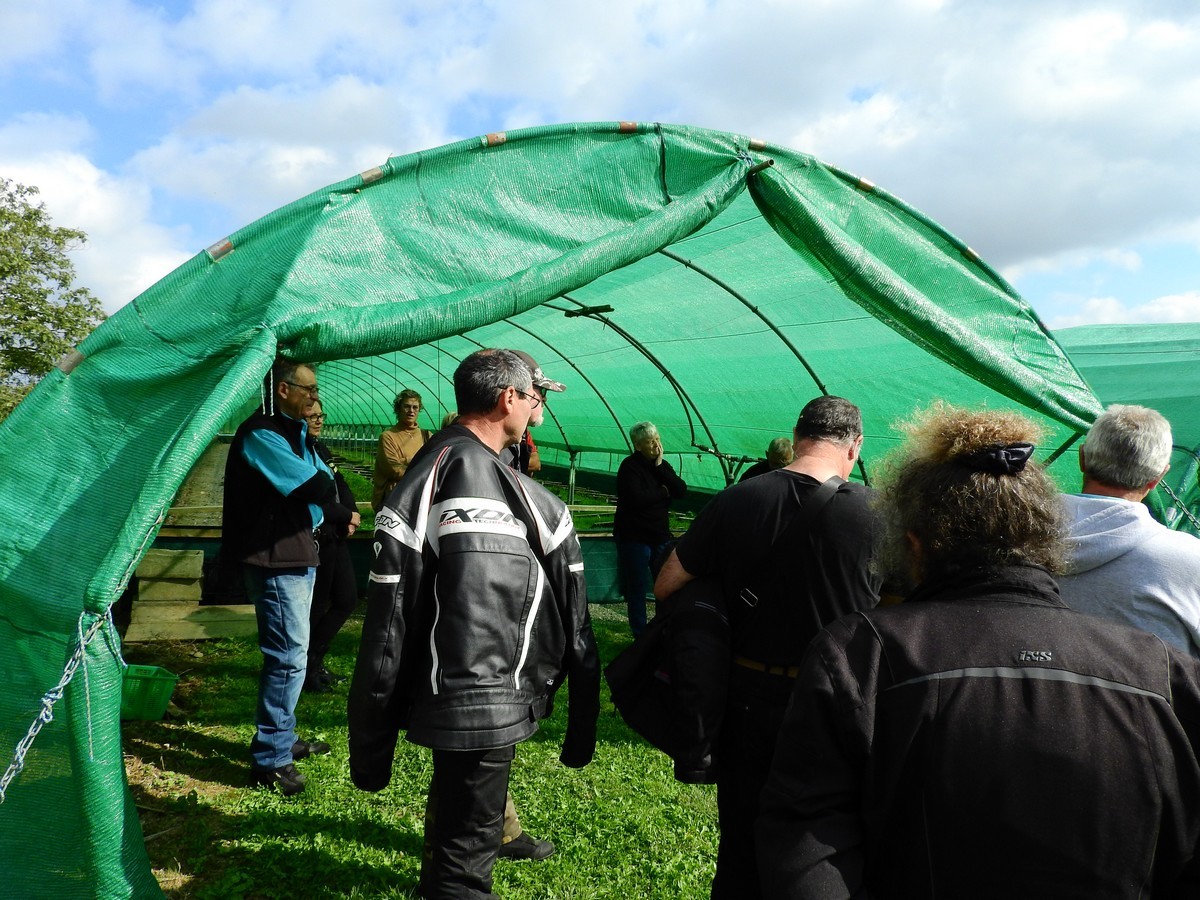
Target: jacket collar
point(641, 460)
point(294, 431)
point(1018, 583)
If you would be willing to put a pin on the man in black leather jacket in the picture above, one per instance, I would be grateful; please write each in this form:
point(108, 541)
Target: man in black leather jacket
point(477, 612)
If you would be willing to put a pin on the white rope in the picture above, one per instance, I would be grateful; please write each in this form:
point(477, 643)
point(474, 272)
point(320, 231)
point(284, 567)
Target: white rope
point(55, 694)
point(87, 689)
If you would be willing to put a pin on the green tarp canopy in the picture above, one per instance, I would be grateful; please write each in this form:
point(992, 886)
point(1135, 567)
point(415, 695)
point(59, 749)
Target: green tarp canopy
point(703, 280)
point(1156, 366)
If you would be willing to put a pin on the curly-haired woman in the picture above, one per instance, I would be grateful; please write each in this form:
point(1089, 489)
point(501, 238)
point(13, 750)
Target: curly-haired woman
point(981, 739)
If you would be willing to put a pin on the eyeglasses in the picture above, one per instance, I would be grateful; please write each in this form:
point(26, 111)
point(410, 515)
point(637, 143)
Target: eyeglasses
point(311, 389)
point(534, 400)
point(318, 417)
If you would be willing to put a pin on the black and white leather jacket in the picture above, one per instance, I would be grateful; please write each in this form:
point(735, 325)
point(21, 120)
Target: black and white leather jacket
point(477, 612)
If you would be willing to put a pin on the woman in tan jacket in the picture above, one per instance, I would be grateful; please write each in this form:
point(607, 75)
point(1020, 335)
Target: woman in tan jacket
point(397, 446)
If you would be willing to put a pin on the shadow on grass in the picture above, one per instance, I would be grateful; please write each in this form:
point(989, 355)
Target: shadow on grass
point(210, 836)
point(279, 847)
point(191, 752)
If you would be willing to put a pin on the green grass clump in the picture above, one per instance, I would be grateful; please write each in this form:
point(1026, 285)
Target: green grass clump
point(623, 827)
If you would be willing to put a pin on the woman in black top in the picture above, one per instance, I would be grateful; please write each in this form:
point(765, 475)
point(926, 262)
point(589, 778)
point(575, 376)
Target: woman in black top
point(646, 484)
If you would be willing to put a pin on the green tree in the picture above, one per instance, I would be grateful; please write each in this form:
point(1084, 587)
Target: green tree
point(43, 314)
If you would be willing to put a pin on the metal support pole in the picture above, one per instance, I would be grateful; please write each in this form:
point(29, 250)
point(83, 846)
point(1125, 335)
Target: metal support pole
point(571, 478)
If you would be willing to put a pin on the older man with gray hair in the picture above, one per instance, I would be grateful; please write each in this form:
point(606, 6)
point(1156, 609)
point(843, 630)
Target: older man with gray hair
point(646, 485)
point(1124, 565)
point(476, 613)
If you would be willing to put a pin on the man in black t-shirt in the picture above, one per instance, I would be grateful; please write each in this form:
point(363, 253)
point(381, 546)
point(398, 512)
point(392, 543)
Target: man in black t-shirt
point(824, 575)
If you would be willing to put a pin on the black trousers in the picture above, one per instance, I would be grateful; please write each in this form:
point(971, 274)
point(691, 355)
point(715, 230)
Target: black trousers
point(464, 821)
point(335, 594)
point(745, 748)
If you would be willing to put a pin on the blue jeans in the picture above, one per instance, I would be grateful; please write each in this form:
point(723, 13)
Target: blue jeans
point(633, 571)
point(282, 598)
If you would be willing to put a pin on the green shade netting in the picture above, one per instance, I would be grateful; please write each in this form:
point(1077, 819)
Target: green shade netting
point(1156, 366)
point(647, 266)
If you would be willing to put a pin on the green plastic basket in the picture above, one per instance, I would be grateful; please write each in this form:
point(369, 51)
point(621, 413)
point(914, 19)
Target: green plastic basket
point(146, 691)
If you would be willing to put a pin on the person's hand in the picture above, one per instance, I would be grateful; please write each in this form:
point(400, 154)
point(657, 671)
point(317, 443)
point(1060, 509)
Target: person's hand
point(355, 521)
point(656, 446)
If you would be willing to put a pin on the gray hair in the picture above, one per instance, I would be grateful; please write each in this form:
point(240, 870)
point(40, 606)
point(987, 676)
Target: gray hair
point(484, 375)
point(1127, 447)
point(285, 370)
point(641, 431)
point(833, 419)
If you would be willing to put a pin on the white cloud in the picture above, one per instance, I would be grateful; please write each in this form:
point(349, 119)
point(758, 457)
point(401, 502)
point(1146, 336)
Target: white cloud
point(126, 250)
point(1035, 131)
point(253, 150)
point(133, 56)
point(34, 30)
point(1185, 232)
point(1122, 258)
point(1182, 307)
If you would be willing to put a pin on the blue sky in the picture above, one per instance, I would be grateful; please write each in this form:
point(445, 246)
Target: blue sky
point(1058, 139)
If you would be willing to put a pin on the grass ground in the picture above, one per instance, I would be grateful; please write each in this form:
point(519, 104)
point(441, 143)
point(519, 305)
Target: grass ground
point(623, 827)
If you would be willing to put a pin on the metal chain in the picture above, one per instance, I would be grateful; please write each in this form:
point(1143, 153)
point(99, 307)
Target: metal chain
point(1181, 506)
point(51, 697)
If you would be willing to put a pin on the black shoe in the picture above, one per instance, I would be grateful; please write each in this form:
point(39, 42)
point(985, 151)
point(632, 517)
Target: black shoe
point(525, 847)
point(286, 778)
point(331, 677)
point(315, 684)
point(302, 749)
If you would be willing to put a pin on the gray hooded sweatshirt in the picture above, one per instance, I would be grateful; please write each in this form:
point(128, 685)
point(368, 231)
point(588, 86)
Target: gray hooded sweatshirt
point(1126, 566)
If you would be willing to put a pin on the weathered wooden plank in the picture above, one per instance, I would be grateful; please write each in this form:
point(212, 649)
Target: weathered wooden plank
point(167, 611)
point(188, 564)
point(197, 623)
point(167, 590)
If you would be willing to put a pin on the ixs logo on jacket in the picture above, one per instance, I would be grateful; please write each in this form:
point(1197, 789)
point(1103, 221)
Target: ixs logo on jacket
point(474, 514)
point(1035, 656)
point(387, 519)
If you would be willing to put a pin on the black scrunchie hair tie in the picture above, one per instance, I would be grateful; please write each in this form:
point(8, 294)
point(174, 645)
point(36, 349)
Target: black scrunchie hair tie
point(999, 459)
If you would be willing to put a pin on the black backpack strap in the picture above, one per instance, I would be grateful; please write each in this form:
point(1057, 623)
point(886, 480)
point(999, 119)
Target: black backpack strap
point(781, 551)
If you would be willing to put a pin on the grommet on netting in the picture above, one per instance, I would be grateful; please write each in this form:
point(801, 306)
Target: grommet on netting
point(494, 139)
point(627, 127)
point(70, 360)
point(371, 175)
point(221, 248)
point(52, 696)
point(758, 167)
point(969, 253)
point(758, 144)
point(864, 185)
